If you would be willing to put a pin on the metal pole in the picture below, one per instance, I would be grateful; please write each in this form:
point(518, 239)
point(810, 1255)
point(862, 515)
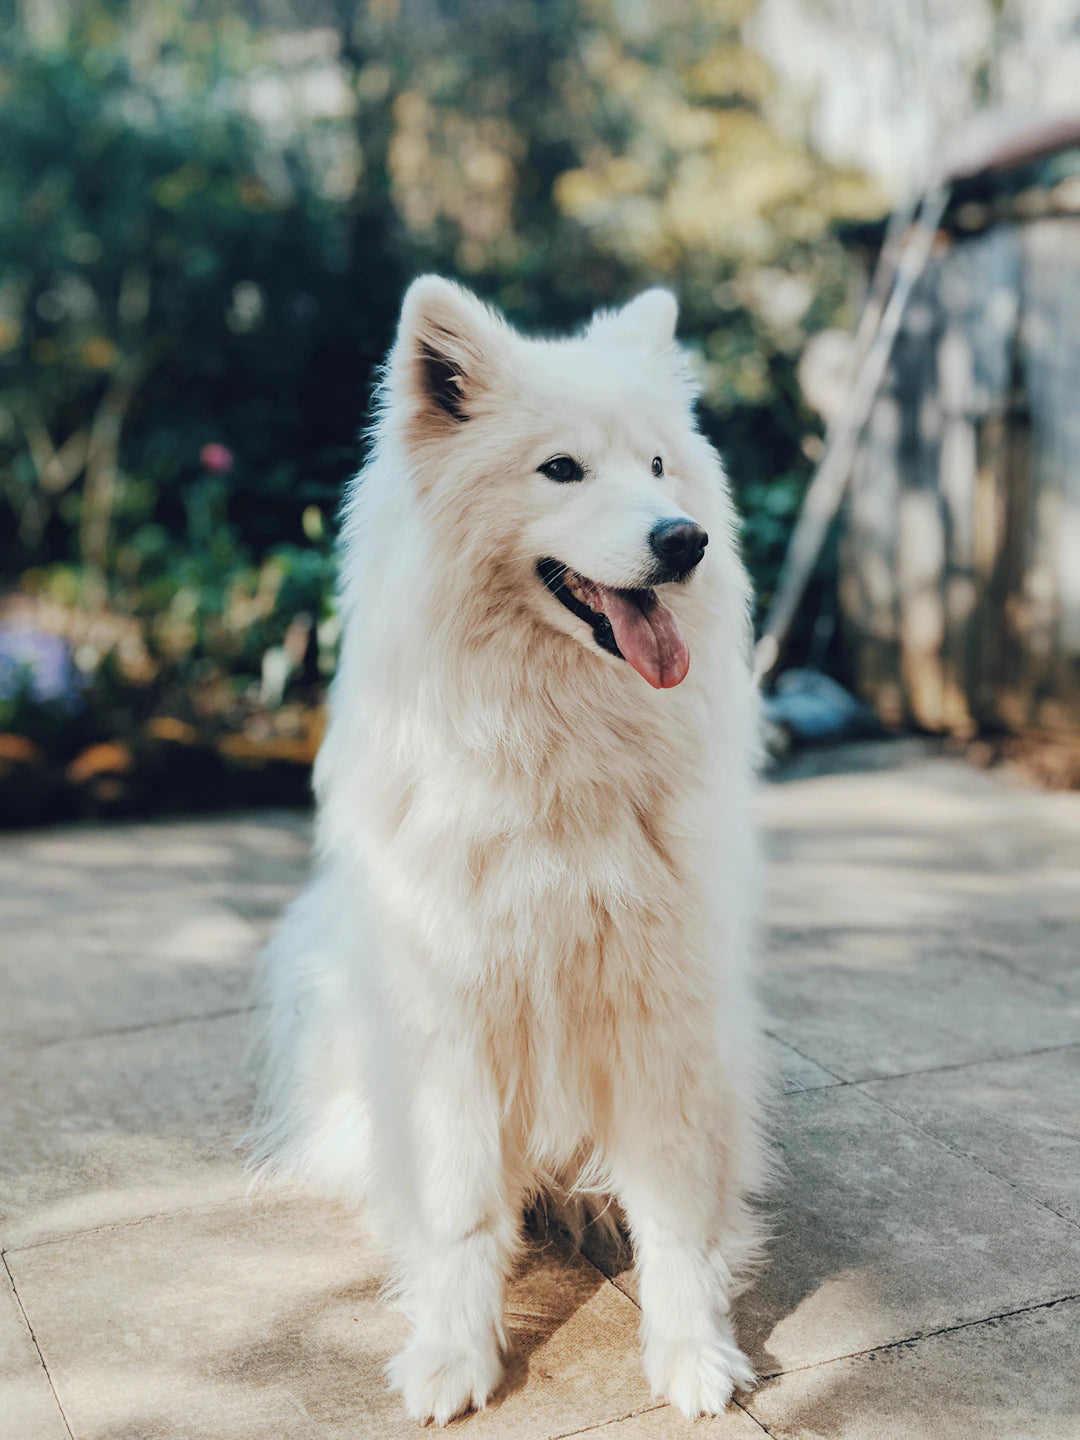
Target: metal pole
point(878, 329)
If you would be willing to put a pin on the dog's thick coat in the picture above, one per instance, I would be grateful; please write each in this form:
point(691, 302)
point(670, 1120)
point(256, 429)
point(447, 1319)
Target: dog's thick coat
point(521, 968)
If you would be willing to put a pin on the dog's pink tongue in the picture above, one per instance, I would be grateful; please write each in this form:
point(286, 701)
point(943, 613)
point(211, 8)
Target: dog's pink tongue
point(650, 638)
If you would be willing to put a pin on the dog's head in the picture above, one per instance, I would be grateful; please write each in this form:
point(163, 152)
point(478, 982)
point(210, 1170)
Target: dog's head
point(573, 466)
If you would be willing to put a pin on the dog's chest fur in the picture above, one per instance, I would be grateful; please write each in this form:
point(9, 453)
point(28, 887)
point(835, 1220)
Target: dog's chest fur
point(583, 828)
point(561, 906)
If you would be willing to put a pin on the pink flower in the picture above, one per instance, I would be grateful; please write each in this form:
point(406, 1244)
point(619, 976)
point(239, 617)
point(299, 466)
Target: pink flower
point(218, 458)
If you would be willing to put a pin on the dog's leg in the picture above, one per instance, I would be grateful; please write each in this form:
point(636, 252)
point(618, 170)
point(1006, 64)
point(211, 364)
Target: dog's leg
point(671, 1190)
point(452, 1270)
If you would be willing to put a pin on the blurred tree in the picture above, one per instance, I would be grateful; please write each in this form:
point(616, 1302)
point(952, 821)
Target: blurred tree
point(560, 155)
point(206, 223)
point(169, 276)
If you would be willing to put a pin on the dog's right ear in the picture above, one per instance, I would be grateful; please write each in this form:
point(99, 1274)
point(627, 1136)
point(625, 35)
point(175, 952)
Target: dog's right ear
point(648, 320)
point(443, 352)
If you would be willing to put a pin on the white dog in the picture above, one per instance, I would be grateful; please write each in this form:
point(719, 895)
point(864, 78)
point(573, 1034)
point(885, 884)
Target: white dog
point(521, 968)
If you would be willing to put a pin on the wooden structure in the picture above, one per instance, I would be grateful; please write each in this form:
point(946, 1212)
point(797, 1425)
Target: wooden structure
point(960, 547)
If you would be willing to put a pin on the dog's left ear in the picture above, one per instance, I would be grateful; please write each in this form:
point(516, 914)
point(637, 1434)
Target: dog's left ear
point(647, 321)
point(443, 355)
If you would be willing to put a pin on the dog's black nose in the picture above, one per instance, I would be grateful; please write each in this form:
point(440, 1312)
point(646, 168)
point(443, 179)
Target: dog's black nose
point(678, 545)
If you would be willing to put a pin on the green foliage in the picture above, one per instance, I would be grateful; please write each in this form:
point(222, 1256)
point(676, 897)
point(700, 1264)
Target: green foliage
point(205, 231)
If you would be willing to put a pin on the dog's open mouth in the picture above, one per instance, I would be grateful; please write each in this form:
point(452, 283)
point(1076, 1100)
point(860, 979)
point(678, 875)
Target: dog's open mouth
point(633, 624)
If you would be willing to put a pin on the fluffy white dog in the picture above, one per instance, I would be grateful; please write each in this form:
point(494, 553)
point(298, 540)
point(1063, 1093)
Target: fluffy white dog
point(521, 969)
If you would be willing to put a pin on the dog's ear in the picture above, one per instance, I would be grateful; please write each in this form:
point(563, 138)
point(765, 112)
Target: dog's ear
point(647, 321)
point(443, 356)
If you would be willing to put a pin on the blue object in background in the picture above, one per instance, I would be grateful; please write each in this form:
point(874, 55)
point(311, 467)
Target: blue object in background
point(39, 664)
point(813, 707)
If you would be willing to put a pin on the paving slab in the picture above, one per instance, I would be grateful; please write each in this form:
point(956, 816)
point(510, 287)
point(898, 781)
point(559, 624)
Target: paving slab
point(115, 1127)
point(264, 1319)
point(920, 917)
point(791, 1071)
point(868, 1004)
point(1038, 937)
point(931, 844)
point(923, 925)
point(47, 873)
point(663, 1423)
point(72, 868)
point(91, 923)
point(1014, 1378)
point(133, 960)
point(1019, 1118)
point(28, 1408)
point(260, 865)
point(883, 1234)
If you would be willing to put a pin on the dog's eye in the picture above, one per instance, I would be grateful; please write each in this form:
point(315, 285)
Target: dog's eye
point(562, 468)
point(657, 465)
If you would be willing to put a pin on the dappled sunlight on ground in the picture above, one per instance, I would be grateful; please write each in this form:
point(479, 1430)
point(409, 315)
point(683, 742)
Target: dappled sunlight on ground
point(921, 976)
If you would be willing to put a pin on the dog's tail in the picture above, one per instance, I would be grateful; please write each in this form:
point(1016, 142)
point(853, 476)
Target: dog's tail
point(311, 1122)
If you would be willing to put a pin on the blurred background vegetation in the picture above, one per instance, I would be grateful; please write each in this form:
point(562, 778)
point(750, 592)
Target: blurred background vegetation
point(208, 214)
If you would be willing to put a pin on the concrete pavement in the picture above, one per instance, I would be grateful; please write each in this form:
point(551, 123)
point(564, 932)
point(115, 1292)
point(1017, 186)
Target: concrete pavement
point(923, 982)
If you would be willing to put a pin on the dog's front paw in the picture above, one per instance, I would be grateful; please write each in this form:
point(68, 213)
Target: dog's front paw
point(438, 1379)
point(698, 1377)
